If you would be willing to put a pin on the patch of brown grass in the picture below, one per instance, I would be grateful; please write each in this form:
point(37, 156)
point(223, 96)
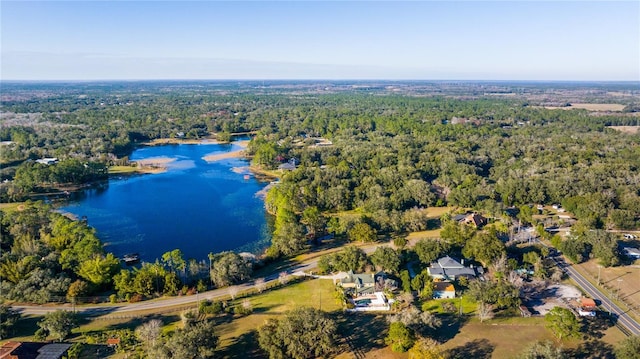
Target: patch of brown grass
point(626, 129)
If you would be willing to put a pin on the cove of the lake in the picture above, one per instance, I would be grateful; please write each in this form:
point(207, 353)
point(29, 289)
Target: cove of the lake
point(195, 206)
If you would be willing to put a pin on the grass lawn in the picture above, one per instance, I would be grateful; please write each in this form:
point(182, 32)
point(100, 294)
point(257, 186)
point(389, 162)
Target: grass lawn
point(415, 236)
point(114, 170)
point(7, 207)
point(237, 336)
point(437, 305)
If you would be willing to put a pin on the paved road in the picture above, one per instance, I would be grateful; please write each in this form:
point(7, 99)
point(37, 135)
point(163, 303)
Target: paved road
point(623, 318)
point(299, 269)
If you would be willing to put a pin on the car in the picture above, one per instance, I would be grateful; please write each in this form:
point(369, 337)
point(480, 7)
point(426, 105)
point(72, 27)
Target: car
point(629, 236)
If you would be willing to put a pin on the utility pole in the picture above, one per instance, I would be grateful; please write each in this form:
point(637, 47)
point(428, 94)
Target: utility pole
point(599, 268)
point(618, 293)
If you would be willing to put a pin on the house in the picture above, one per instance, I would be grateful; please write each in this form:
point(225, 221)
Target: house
point(47, 161)
point(31, 350)
point(633, 253)
point(473, 219)
point(366, 283)
point(586, 307)
point(447, 268)
point(290, 165)
point(443, 290)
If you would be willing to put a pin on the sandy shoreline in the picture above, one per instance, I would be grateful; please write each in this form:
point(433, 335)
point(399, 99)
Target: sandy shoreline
point(233, 154)
point(153, 164)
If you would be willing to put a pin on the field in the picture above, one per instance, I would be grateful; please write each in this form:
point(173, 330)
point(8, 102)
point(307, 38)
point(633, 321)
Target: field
point(590, 107)
point(626, 129)
point(626, 278)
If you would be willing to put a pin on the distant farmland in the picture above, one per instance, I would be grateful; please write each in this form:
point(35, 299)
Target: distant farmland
point(590, 107)
point(626, 129)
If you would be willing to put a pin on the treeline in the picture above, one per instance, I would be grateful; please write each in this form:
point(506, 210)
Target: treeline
point(390, 154)
point(48, 257)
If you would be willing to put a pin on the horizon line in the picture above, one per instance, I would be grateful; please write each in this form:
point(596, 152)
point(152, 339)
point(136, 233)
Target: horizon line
point(315, 79)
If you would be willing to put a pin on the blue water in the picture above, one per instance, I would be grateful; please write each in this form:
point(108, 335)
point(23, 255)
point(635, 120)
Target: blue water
point(195, 206)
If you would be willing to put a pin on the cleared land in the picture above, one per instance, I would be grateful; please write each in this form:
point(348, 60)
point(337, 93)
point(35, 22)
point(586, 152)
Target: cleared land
point(626, 278)
point(626, 129)
point(590, 107)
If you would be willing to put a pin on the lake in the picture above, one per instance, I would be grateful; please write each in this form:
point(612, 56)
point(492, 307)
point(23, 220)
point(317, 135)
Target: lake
point(196, 206)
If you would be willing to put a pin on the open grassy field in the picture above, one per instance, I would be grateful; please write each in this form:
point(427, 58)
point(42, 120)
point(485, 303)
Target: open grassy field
point(11, 206)
point(626, 129)
point(117, 170)
point(590, 107)
point(415, 236)
point(626, 278)
point(236, 335)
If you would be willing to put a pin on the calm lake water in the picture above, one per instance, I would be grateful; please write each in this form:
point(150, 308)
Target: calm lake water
point(195, 206)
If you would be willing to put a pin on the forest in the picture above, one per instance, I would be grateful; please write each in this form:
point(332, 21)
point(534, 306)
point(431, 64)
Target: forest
point(390, 155)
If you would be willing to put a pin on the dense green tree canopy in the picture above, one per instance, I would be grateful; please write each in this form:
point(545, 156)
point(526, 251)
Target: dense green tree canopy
point(300, 333)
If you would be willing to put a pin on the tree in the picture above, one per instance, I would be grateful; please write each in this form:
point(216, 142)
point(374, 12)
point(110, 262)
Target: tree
point(194, 341)
point(562, 322)
point(629, 348)
point(423, 284)
point(484, 247)
point(426, 348)
point(416, 320)
point(174, 260)
point(386, 258)
point(59, 324)
point(543, 350)
point(362, 232)
point(288, 235)
point(428, 250)
point(149, 332)
point(314, 220)
point(78, 288)
point(400, 338)
point(485, 311)
point(100, 270)
point(300, 333)
point(8, 318)
point(406, 281)
point(228, 268)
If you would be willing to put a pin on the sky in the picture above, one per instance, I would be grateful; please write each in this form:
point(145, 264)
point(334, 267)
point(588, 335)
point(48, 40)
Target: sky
point(413, 40)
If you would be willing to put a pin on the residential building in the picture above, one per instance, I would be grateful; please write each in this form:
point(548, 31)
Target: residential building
point(366, 283)
point(443, 290)
point(447, 268)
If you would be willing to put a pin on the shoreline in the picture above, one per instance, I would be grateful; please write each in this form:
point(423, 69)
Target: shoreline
point(226, 155)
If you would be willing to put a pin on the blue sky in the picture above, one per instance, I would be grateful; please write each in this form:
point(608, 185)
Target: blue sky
point(473, 40)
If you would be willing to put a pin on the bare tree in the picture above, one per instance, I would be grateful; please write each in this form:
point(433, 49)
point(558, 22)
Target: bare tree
point(485, 311)
point(515, 279)
point(149, 332)
point(261, 285)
